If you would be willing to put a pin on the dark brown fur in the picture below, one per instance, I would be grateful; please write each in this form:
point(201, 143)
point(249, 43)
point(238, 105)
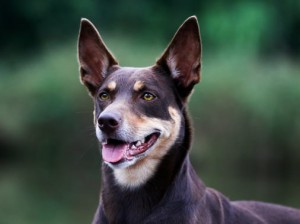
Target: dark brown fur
point(174, 193)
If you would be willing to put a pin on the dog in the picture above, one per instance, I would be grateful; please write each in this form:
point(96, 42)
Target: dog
point(142, 123)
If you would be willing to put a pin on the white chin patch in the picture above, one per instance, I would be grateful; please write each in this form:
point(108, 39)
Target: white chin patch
point(136, 174)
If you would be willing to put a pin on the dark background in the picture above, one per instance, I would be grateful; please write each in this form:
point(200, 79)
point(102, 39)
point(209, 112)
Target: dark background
point(246, 111)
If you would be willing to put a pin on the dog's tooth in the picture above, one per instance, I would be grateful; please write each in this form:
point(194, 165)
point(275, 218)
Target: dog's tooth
point(138, 143)
point(143, 141)
point(133, 147)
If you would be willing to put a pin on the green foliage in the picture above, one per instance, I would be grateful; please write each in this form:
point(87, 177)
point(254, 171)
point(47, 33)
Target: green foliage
point(242, 26)
point(263, 26)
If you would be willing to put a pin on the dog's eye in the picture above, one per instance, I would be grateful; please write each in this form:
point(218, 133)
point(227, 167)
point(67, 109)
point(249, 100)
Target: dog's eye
point(104, 96)
point(148, 96)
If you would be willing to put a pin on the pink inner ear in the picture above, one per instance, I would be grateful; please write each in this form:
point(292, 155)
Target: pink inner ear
point(183, 56)
point(94, 58)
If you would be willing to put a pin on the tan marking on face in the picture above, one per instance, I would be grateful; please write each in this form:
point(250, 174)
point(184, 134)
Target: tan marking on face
point(112, 85)
point(140, 172)
point(138, 85)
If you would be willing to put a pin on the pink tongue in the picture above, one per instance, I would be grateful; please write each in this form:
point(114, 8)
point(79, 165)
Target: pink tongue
point(113, 153)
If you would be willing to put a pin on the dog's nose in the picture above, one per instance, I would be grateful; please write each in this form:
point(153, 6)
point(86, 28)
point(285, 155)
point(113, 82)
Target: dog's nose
point(109, 122)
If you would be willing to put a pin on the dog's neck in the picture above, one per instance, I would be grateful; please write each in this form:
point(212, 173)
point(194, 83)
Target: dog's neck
point(173, 176)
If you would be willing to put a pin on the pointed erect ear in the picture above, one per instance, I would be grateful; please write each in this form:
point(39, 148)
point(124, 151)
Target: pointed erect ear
point(182, 57)
point(94, 58)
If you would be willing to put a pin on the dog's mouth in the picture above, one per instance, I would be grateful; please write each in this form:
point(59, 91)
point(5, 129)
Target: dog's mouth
point(117, 151)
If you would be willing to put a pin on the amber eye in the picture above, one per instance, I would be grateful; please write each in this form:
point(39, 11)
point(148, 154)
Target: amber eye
point(104, 96)
point(148, 96)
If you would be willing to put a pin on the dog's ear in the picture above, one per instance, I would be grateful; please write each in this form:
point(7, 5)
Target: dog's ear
point(94, 57)
point(183, 57)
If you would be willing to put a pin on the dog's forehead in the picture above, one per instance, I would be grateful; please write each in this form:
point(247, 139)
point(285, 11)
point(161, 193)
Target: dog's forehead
point(134, 78)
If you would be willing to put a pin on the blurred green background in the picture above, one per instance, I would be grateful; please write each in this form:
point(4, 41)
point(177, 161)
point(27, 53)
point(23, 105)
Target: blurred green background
point(246, 111)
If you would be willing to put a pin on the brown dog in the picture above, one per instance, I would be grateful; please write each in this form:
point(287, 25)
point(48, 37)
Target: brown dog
point(141, 121)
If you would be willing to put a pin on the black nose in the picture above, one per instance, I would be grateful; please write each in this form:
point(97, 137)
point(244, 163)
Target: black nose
point(109, 122)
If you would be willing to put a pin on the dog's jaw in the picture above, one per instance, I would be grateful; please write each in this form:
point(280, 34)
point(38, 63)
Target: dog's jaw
point(137, 171)
point(122, 154)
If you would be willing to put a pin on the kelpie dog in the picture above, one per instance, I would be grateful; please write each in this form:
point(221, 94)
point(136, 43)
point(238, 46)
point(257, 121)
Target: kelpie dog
point(141, 121)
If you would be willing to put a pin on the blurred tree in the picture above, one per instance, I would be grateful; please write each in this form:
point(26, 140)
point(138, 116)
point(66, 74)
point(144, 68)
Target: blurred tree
point(270, 26)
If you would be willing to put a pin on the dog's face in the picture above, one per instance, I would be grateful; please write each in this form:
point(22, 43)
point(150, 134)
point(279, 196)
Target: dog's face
point(137, 112)
point(133, 116)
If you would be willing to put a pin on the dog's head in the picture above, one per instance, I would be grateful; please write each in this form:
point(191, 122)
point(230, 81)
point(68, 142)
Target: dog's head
point(138, 110)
